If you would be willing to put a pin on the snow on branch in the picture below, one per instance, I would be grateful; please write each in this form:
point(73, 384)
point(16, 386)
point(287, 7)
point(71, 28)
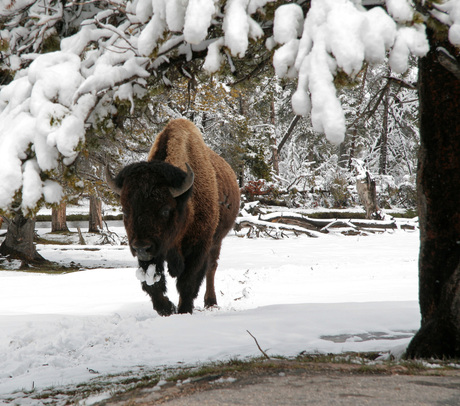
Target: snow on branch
point(339, 36)
point(95, 51)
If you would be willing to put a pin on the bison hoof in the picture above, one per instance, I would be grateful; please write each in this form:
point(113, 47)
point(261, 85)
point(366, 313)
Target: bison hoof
point(185, 309)
point(213, 307)
point(210, 302)
point(166, 310)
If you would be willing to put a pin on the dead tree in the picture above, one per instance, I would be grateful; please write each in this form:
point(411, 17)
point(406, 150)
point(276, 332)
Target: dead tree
point(368, 195)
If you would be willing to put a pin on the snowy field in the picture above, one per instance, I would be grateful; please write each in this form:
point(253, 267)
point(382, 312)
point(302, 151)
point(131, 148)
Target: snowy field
point(330, 294)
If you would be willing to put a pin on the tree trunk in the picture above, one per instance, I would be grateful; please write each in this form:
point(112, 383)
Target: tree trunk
point(438, 181)
point(384, 136)
point(288, 133)
point(275, 156)
point(367, 193)
point(19, 241)
point(95, 214)
point(58, 218)
point(344, 152)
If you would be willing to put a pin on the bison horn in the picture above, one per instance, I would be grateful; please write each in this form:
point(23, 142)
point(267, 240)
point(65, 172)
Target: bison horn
point(111, 181)
point(186, 184)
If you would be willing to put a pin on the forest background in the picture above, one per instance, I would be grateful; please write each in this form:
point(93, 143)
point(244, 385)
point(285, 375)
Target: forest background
point(244, 112)
point(279, 158)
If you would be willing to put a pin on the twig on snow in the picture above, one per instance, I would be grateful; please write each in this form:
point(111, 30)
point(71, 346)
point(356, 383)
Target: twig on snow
point(258, 346)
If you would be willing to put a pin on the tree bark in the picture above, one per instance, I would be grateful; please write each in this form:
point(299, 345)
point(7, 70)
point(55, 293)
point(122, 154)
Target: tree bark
point(19, 241)
point(58, 218)
point(438, 181)
point(95, 214)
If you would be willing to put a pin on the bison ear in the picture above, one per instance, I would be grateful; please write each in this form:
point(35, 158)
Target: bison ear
point(111, 182)
point(186, 184)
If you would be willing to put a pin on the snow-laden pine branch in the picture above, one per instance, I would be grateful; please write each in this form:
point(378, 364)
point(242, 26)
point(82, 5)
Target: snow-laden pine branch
point(108, 49)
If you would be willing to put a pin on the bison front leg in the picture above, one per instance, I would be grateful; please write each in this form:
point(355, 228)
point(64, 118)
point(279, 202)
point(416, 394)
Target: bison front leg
point(160, 301)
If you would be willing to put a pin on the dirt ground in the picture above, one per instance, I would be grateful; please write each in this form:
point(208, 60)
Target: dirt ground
point(300, 383)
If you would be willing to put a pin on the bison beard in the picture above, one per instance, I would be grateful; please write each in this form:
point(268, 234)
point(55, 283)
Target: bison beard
point(176, 216)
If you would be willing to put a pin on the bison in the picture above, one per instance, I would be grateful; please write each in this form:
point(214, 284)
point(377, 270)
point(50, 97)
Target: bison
point(177, 208)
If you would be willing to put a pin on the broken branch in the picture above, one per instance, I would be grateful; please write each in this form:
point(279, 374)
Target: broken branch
point(258, 346)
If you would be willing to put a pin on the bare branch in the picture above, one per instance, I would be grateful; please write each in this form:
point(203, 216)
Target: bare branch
point(258, 346)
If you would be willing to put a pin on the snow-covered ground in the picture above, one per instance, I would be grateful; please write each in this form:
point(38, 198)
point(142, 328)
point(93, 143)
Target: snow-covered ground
point(330, 294)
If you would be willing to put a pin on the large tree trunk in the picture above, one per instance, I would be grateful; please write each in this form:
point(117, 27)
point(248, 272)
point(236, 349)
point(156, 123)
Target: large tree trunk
point(58, 218)
point(19, 241)
point(439, 210)
point(95, 214)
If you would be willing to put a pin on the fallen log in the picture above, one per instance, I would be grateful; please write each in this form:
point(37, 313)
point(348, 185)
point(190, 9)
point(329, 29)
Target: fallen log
point(322, 225)
point(273, 230)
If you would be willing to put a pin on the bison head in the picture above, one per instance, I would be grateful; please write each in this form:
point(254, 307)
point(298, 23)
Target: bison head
point(153, 197)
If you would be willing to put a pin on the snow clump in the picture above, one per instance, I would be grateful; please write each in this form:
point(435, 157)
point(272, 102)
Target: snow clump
point(198, 19)
point(36, 114)
point(288, 23)
point(150, 276)
point(214, 58)
point(400, 10)
point(449, 13)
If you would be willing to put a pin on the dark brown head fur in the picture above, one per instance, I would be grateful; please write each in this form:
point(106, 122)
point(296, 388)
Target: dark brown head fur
point(153, 218)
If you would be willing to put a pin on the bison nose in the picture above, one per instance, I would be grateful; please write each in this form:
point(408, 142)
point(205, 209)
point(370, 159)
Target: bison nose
point(143, 250)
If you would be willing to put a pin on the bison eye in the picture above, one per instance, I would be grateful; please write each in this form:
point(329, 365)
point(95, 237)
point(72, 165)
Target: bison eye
point(164, 212)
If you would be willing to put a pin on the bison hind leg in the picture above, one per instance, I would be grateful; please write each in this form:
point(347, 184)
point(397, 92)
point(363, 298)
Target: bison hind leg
point(210, 295)
point(210, 299)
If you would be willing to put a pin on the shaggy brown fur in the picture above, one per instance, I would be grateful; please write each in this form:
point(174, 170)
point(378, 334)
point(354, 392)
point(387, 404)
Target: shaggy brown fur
point(190, 239)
